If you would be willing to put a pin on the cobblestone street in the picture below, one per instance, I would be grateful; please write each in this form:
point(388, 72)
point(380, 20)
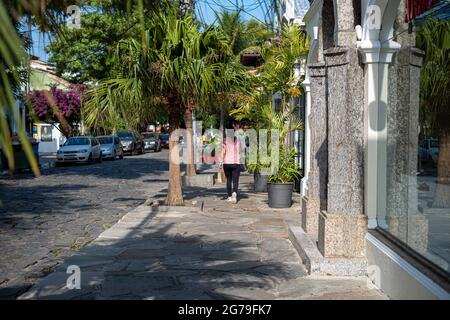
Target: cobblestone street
point(44, 220)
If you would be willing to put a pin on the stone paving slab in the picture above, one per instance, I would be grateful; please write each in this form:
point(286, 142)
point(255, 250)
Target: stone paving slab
point(224, 252)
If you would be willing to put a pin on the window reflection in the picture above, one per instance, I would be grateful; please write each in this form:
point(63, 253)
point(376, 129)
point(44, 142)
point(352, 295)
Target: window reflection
point(416, 208)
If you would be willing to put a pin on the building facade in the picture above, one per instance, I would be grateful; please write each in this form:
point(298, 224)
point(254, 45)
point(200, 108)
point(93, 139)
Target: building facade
point(291, 11)
point(367, 202)
point(48, 135)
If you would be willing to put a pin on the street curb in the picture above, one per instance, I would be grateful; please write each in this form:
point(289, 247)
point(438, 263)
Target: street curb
point(194, 206)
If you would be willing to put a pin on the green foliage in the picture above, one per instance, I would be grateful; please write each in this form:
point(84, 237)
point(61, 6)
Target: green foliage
point(434, 38)
point(84, 54)
point(275, 75)
point(12, 61)
point(172, 66)
point(280, 56)
point(257, 167)
point(288, 170)
point(283, 122)
point(209, 120)
point(47, 15)
point(242, 34)
point(250, 108)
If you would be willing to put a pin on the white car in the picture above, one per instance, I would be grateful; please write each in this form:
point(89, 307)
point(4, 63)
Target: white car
point(79, 149)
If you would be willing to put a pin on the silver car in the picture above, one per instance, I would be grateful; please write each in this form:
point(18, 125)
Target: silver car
point(79, 149)
point(111, 147)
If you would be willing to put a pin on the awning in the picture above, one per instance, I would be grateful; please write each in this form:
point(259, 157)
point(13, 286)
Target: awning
point(418, 11)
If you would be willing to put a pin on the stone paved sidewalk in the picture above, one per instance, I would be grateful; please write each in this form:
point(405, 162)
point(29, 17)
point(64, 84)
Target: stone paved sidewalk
point(228, 251)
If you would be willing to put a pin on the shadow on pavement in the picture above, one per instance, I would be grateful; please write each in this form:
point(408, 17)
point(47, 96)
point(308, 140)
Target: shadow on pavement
point(154, 261)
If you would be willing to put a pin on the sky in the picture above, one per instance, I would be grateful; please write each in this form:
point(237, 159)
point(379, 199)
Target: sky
point(250, 9)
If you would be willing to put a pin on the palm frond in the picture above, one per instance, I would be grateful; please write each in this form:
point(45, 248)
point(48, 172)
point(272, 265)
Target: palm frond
point(12, 57)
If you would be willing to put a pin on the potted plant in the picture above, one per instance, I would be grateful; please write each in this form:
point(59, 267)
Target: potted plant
point(281, 183)
point(260, 169)
point(260, 178)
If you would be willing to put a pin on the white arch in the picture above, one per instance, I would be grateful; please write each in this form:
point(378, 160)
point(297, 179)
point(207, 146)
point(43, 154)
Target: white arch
point(311, 19)
point(377, 48)
point(376, 43)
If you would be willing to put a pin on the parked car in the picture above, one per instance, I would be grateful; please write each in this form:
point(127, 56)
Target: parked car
point(111, 147)
point(164, 140)
point(132, 142)
point(79, 149)
point(429, 150)
point(151, 141)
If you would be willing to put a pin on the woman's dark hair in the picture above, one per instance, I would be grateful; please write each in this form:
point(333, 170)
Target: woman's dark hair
point(224, 135)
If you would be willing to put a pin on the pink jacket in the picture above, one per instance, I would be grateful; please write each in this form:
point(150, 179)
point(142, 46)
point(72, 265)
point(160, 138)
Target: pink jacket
point(231, 152)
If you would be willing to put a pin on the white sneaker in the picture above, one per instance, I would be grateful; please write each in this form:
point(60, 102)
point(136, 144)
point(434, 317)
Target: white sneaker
point(229, 199)
point(234, 197)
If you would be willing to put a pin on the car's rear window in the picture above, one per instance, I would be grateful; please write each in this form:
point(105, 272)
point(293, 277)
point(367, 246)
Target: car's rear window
point(125, 134)
point(77, 142)
point(148, 135)
point(105, 140)
point(164, 137)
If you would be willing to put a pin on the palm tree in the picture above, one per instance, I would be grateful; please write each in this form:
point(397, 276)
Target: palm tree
point(242, 34)
point(434, 39)
point(172, 65)
point(14, 62)
point(280, 56)
point(276, 74)
point(232, 25)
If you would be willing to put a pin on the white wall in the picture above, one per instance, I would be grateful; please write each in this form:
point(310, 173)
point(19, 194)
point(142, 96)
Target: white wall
point(52, 146)
point(397, 278)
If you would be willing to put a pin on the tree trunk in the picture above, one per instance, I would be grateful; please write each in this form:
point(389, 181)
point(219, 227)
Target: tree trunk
point(190, 166)
point(174, 192)
point(442, 195)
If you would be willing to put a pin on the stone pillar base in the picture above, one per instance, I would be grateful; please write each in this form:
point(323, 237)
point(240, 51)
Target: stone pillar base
point(342, 235)
point(316, 264)
point(310, 215)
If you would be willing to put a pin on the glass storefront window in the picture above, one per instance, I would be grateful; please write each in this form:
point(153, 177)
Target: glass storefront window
point(416, 208)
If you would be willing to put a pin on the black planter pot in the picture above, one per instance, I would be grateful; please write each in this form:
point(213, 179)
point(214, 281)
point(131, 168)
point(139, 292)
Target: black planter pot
point(260, 182)
point(280, 194)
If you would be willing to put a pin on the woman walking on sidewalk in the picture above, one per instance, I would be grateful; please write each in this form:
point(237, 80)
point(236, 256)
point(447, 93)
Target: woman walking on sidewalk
point(231, 162)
